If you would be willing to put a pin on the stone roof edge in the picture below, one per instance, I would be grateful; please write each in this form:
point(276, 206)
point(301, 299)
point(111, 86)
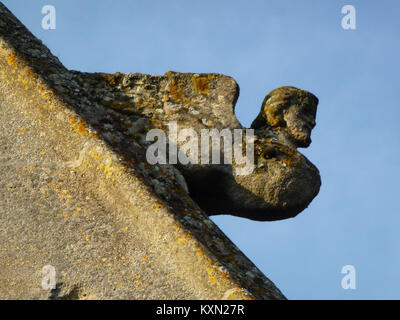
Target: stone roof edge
point(228, 269)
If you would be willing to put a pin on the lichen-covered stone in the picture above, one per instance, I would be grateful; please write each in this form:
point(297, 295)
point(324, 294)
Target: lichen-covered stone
point(78, 193)
point(283, 183)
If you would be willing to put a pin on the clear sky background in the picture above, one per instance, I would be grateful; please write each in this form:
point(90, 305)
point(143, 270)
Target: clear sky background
point(355, 219)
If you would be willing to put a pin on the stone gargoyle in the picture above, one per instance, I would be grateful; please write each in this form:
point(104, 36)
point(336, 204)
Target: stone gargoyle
point(80, 197)
point(283, 181)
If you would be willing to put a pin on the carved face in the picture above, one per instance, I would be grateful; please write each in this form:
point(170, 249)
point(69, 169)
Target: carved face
point(292, 110)
point(300, 119)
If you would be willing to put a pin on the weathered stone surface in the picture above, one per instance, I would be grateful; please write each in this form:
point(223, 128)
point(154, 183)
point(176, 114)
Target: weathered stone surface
point(283, 183)
point(77, 192)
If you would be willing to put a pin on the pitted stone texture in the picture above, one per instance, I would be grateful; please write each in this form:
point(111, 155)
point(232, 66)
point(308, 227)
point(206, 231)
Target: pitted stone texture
point(290, 113)
point(283, 182)
point(78, 194)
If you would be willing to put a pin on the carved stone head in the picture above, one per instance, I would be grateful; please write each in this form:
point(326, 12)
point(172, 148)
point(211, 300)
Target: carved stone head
point(290, 110)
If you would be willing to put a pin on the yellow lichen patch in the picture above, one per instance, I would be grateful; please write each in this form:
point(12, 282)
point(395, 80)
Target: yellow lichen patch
point(211, 77)
point(292, 157)
point(201, 84)
point(138, 282)
point(176, 91)
point(109, 170)
point(176, 227)
point(200, 252)
point(80, 126)
point(21, 131)
point(224, 276)
point(26, 77)
point(47, 94)
point(184, 237)
point(111, 79)
point(212, 275)
point(273, 117)
point(96, 155)
point(145, 257)
point(11, 59)
point(215, 275)
point(237, 294)
point(76, 211)
point(139, 103)
point(30, 74)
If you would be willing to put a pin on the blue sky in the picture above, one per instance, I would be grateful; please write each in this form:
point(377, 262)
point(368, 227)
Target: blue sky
point(263, 45)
